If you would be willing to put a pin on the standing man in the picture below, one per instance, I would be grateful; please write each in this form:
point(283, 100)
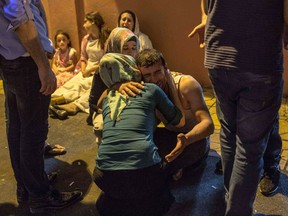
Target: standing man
point(245, 62)
point(29, 82)
point(188, 145)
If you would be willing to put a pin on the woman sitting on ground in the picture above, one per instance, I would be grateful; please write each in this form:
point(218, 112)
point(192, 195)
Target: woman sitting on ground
point(64, 59)
point(128, 19)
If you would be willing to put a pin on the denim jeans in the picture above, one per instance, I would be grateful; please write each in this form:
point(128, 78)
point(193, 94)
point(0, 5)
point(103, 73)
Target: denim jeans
point(26, 123)
point(272, 155)
point(247, 106)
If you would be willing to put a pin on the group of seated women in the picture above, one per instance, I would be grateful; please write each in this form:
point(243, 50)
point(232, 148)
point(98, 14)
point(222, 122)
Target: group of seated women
point(74, 80)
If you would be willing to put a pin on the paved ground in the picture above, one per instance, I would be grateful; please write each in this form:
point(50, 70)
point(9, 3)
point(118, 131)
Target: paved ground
point(283, 113)
point(199, 193)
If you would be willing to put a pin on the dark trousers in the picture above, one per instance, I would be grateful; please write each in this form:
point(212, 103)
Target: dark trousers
point(247, 106)
point(133, 192)
point(98, 87)
point(272, 155)
point(193, 154)
point(26, 124)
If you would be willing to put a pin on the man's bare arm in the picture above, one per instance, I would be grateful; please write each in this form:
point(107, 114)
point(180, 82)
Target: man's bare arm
point(193, 94)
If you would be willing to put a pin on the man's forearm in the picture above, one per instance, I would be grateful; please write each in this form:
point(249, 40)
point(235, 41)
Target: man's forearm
point(28, 36)
point(199, 132)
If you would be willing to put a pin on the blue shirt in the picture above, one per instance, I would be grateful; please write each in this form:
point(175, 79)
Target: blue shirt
point(129, 145)
point(12, 14)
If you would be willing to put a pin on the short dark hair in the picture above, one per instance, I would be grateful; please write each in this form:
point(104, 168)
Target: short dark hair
point(149, 57)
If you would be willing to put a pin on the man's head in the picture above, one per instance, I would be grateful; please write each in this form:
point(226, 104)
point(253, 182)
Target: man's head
point(153, 67)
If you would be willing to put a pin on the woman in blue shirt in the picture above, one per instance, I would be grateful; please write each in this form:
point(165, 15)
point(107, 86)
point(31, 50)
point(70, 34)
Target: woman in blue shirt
point(128, 167)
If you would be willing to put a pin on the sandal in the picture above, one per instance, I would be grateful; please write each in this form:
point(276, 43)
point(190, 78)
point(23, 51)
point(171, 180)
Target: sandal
point(57, 113)
point(54, 150)
point(178, 175)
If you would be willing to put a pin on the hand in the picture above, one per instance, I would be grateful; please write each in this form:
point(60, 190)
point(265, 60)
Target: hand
point(61, 70)
point(200, 30)
point(48, 81)
point(180, 146)
point(130, 88)
point(86, 73)
point(169, 76)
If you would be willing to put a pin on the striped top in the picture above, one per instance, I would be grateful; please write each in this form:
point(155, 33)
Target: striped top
point(245, 35)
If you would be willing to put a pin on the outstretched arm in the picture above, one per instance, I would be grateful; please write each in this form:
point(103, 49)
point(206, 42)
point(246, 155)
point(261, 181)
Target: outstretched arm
point(192, 94)
point(200, 29)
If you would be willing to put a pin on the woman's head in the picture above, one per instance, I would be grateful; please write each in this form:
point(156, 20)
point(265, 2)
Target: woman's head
point(93, 19)
point(62, 40)
point(94, 24)
point(127, 19)
point(116, 67)
point(122, 40)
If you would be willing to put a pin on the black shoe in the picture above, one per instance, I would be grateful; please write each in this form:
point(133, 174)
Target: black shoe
point(89, 119)
point(269, 182)
point(218, 168)
point(52, 177)
point(54, 201)
point(22, 193)
point(60, 114)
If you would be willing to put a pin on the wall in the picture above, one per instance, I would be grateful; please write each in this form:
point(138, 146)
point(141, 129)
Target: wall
point(166, 22)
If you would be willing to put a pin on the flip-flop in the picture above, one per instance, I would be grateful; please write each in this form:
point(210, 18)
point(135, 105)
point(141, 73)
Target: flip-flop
point(54, 150)
point(57, 113)
point(178, 175)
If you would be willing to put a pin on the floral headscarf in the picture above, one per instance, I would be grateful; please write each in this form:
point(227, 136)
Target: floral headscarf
point(115, 68)
point(117, 38)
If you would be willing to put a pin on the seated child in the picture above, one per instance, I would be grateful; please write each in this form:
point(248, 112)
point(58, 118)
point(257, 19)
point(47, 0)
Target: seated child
point(65, 58)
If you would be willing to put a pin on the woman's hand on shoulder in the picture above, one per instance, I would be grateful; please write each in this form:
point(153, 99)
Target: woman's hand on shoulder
point(129, 89)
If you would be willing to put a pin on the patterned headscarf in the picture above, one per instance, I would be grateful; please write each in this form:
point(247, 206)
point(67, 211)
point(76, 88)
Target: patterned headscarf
point(115, 68)
point(117, 38)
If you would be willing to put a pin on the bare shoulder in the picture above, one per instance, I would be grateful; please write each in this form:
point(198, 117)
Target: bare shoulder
point(192, 93)
point(189, 85)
